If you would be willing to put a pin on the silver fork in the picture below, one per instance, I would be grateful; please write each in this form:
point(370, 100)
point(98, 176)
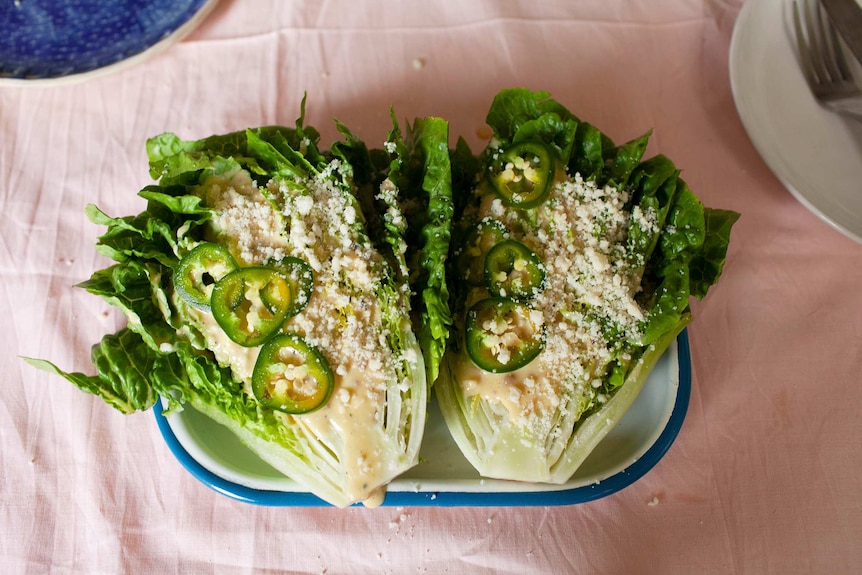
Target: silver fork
point(823, 62)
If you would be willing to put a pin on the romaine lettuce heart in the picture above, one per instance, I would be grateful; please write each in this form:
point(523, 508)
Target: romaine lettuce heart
point(622, 243)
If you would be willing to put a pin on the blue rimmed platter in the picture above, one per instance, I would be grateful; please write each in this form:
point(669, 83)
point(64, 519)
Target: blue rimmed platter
point(443, 477)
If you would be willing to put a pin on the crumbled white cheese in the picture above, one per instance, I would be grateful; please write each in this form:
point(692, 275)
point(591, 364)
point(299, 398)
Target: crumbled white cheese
point(244, 218)
point(580, 234)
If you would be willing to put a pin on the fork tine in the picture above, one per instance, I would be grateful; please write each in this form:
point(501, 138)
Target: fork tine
point(842, 69)
point(814, 44)
point(822, 60)
point(803, 50)
point(828, 43)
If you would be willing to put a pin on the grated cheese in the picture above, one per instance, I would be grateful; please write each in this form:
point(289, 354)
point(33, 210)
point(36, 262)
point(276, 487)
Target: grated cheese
point(579, 233)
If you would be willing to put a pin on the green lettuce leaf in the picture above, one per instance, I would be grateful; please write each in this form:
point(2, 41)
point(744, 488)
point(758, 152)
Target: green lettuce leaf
point(708, 263)
point(125, 365)
point(423, 175)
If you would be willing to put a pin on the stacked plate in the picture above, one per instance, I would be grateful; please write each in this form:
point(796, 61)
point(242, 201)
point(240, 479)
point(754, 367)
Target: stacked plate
point(815, 153)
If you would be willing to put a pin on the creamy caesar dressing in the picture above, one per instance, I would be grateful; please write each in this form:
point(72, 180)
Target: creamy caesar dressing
point(343, 317)
point(375, 498)
point(226, 351)
point(350, 423)
point(580, 234)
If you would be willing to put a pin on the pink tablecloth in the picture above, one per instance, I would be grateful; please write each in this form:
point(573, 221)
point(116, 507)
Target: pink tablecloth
point(764, 476)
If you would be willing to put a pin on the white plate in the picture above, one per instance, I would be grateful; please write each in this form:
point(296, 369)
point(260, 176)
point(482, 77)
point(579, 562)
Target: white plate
point(444, 477)
point(816, 154)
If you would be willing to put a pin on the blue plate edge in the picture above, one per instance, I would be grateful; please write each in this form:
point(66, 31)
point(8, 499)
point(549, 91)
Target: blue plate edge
point(573, 496)
point(82, 70)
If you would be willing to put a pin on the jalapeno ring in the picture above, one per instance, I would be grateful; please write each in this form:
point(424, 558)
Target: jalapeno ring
point(522, 175)
point(513, 270)
point(291, 376)
point(250, 304)
point(300, 278)
point(503, 335)
point(199, 271)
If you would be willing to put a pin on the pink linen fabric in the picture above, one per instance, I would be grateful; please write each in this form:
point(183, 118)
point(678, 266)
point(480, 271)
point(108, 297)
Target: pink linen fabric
point(764, 475)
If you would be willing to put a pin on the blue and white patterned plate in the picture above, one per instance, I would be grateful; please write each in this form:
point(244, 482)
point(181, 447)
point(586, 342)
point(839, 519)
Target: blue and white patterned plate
point(67, 40)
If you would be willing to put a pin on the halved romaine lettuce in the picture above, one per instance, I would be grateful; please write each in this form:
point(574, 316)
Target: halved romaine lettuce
point(623, 244)
point(267, 194)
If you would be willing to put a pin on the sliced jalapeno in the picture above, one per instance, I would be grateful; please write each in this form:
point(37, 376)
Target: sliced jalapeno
point(199, 270)
point(522, 175)
point(250, 304)
point(503, 335)
point(479, 239)
point(513, 270)
point(291, 376)
point(300, 278)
